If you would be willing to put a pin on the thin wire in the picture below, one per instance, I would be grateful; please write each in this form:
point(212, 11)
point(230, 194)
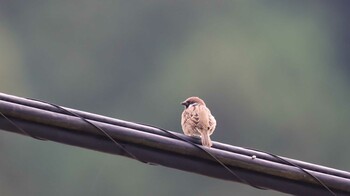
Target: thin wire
point(208, 153)
point(239, 178)
point(20, 129)
point(299, 167)
point(98, 128)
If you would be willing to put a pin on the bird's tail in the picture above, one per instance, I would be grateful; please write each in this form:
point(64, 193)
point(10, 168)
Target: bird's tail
point(206, 140)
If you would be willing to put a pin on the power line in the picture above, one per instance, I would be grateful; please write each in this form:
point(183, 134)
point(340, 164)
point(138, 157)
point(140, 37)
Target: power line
point(153, 145)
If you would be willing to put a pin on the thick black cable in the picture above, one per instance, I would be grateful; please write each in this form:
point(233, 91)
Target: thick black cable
point(174, 136)
point(240, 150)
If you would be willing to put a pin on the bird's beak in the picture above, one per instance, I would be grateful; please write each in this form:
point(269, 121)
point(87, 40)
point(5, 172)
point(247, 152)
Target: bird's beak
point(183, 103)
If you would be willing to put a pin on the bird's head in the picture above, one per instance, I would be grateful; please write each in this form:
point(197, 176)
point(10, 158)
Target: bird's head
point(192, 101)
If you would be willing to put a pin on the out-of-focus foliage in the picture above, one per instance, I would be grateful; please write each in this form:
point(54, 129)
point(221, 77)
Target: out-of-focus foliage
point(274, 74)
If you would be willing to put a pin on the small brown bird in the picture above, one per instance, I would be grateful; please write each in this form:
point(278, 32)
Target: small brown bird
point(196, 120)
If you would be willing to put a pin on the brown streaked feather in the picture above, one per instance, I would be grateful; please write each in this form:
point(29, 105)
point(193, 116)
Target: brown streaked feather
point(196, 120)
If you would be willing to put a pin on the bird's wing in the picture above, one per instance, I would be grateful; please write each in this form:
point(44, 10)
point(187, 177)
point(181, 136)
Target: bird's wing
point(203, 118)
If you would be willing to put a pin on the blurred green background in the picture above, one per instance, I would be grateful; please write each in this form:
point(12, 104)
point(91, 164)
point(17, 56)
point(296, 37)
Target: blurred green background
point(274, 73)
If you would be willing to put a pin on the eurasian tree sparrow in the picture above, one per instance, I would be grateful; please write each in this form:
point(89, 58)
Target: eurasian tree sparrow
point(196, 120)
